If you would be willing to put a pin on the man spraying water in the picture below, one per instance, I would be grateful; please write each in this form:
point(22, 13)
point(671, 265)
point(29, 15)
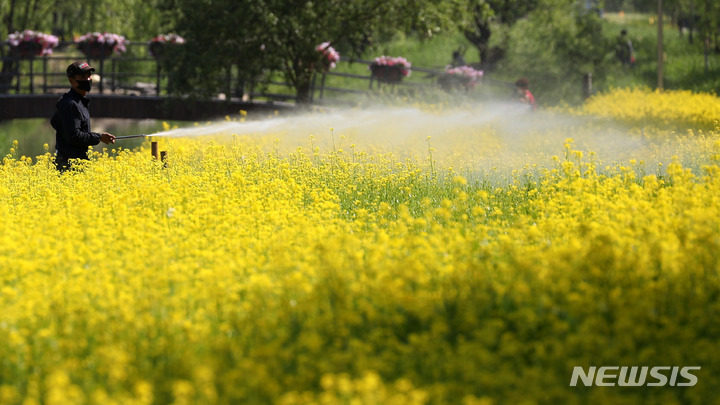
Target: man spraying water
point(71, 120)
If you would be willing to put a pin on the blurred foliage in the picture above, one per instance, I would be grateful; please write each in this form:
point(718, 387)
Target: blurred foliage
point(555, 46)
point(256, 36)
point(137, 20)
point(552, 42)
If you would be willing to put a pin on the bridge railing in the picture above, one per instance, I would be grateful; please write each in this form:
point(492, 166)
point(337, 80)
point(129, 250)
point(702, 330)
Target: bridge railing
point(136, 72)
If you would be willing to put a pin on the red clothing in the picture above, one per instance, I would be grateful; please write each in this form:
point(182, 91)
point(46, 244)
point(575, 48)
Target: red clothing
point(529, 99)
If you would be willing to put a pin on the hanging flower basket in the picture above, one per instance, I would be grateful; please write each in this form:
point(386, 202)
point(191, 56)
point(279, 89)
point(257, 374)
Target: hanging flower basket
point(97, 45)
point(29, 44)
point(460, 78)
point(330, 57)
point(386, 69)
point(95, 51)
point(386, 74)
point(157, 45)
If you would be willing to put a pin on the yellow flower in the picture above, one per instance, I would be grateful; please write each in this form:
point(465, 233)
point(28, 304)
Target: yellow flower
point(272, 268)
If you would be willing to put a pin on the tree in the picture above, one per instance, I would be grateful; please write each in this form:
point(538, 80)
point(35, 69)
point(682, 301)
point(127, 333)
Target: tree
point(501, 12)
point(134, 19)
point(258, 35)
point(559, 43)
point(709, 19)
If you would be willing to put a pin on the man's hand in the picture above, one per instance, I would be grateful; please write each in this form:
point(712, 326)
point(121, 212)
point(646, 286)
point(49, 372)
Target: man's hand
point(107, 138)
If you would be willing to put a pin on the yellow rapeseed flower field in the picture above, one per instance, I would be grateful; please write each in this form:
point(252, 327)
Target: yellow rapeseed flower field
point(443, 257)
point(670, 108)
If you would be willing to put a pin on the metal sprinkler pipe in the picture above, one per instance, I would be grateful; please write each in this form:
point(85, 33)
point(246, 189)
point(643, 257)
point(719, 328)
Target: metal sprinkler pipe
point(130, 136)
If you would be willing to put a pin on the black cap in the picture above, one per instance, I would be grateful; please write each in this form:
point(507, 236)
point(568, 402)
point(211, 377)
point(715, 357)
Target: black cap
point(79, 67)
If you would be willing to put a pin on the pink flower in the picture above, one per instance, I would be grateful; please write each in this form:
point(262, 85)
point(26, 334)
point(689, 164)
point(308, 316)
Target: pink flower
point(117, 42)
point(465, 71)
point(169, 38)
point(329, 53)
point(46, 41)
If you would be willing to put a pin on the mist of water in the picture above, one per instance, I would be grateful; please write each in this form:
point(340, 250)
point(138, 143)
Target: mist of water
point(489, 136)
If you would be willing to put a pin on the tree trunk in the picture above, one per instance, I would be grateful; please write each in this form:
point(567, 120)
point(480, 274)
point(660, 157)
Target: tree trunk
point(300, 76)
point(480, 37)
point(303, 91)
point(10, 17)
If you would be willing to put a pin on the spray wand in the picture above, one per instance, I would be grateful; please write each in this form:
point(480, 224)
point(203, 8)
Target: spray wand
point(130, 136)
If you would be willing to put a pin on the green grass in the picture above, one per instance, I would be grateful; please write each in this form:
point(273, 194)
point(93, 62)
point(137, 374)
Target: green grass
point(684, 63)
point(428, 54)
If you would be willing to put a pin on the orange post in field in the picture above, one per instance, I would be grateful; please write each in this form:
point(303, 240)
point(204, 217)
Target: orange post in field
point(154, 149)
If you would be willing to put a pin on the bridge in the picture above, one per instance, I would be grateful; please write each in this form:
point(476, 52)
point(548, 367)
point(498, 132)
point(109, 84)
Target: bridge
point(133, 85)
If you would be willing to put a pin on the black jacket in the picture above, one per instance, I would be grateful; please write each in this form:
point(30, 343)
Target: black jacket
point(72, 126)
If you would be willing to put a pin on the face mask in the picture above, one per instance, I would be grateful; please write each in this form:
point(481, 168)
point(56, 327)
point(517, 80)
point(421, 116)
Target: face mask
point(84, 85)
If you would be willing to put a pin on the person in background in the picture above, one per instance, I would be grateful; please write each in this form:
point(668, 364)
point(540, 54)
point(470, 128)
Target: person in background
point(522, 88)
point(71, 119)
point(458, 59)
point(624, 49)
